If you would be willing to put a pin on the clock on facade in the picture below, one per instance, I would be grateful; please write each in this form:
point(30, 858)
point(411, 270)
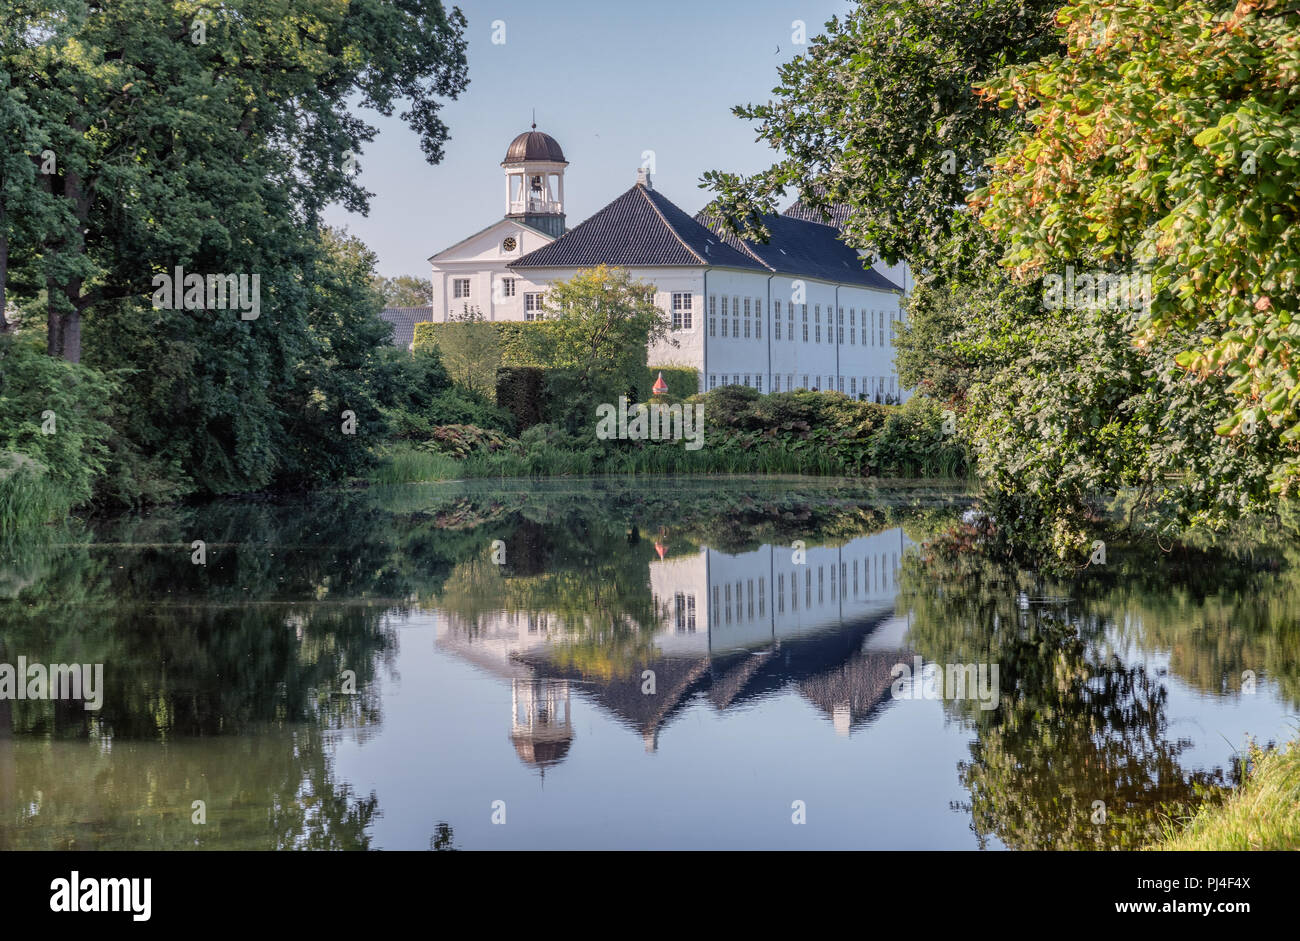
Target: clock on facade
point(509, 244)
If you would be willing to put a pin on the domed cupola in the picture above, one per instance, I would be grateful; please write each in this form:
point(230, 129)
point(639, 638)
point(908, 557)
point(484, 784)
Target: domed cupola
point(534, 145)
point(534, 168)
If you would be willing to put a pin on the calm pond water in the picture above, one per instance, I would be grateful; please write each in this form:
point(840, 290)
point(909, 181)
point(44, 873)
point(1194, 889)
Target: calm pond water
point(649, 664)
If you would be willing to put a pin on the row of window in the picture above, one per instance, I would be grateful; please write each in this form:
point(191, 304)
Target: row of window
point(871, 385)
point(879, 573)
point(739, 314)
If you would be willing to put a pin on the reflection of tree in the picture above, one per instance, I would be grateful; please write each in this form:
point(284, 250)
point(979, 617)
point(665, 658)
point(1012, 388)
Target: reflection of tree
point(271, 790)
point(223, 681)
point(1074, 726)
point(1218, 616)
point(246, 652)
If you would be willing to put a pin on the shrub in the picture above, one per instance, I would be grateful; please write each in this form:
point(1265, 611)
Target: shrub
point(520, 391)
point(913, 442)
point(456, 406)
point(54, 415)
point(460, 441)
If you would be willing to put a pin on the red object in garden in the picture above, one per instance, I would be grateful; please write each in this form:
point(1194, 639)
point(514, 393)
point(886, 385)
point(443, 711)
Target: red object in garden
point(660, 387)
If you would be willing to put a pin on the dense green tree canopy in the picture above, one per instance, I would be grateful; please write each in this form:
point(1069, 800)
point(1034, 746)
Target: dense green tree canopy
point(146, 135)
point(1166, 138)
point(881, 115)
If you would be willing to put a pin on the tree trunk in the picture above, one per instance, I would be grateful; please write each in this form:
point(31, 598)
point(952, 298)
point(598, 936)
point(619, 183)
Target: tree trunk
point(5, 325)
point(53, 322)
point(65, 327)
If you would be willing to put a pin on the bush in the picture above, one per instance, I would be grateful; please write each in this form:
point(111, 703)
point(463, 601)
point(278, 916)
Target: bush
point(521, 391)
point(459, 407)
point(460, 441)
point(913, 442)
point(53, 425)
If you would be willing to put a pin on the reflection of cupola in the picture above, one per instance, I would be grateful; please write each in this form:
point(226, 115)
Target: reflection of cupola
point(541, 728)
point(534, 168)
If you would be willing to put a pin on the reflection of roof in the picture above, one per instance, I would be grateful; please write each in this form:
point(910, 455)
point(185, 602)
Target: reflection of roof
point(675, 679)
point(828, 668)
point(862, 684)
point(534, 145)
point(544, 753)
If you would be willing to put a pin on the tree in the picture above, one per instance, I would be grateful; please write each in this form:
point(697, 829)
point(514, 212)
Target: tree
point(268, 95)
point(601, 324)
point(1166, 139)
point(471, 351)
point(880, 116)
point(211, 141)
point(405, 290)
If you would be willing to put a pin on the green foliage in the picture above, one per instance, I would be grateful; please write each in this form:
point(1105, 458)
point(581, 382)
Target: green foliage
point(824, 433)
point(457, 407)
point(521, 343)
point(918, 438)
point(470, 350)
point(520, 392)
point(1165, 139)
point(880, 115)
point(463, 440)
point(1259, 815)
point(54, 436)
point(405, 290)
point(29, 496)
point(405, 463)
point(208, 401)
point(408, 382)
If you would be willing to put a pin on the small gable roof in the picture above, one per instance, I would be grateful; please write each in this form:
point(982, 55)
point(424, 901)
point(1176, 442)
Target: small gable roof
point(404, 320)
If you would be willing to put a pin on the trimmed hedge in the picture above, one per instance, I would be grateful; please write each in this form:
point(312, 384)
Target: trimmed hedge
point(511, 337)
point(520, 390)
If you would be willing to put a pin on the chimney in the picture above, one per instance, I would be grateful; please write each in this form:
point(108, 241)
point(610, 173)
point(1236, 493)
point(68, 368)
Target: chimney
point(643, 178)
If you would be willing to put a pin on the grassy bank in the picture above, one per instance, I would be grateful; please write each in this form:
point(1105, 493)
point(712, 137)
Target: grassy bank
point(29, 497)
point(1262, 814)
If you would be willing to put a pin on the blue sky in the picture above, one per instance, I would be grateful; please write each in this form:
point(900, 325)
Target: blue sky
point(609, 80)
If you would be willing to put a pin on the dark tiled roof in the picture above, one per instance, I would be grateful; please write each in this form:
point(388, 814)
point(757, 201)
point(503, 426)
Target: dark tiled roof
point(404, 320)
point(838, 212)
point(534, 145)
point(641, 228)
point(798, 247)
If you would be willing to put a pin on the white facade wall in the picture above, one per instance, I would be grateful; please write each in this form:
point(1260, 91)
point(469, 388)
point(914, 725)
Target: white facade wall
point(482, 259)
point(744, 346)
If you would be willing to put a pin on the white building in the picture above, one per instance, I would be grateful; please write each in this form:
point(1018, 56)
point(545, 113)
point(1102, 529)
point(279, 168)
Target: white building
point(800, 311)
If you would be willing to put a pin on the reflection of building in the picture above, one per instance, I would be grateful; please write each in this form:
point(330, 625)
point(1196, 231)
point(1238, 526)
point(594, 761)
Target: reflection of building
point(717, 601)
point(541, 726)
point(732, 627)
